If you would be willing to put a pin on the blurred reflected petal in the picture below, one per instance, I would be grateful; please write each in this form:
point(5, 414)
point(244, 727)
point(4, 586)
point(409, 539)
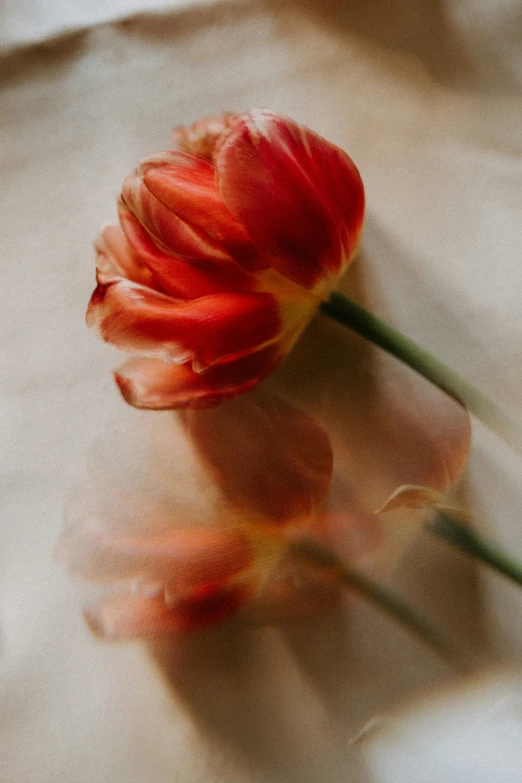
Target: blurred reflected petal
point(389, 427)
point(265, 454)
point(131, 617)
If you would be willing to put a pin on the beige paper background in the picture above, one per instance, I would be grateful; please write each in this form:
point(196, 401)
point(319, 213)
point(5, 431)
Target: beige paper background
point(426, 97)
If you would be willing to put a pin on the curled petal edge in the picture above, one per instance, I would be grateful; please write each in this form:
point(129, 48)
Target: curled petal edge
point(208, 330)
point(151, 384)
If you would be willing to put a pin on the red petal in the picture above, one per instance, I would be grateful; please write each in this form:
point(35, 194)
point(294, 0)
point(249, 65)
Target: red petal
point(138, 320)
point(176, 276)
point(265, 454)
point(131, 617)
point(186, 185)
point(153, 384)
point(174, 196)
point(115, 258)
point(300, 198)
point(166, 228)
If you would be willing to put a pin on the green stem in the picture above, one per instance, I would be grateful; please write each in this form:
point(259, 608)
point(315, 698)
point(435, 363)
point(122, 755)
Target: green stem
point(468, 540)
point(389, 602)
point(355, 317)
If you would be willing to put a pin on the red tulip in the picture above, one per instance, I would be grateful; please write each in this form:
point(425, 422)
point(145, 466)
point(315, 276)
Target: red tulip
point(223, 254)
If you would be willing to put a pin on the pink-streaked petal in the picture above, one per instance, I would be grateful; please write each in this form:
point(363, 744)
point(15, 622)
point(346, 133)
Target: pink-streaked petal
point(338, 179)
point(132, 617)
point(178, 277)
point(305, 222)
point(167, 229)
point(114, 258)
point(186, 186)
point(174, 196)
point(205, 331)
point(265, 455)
point(155, 385)
point(389, 426)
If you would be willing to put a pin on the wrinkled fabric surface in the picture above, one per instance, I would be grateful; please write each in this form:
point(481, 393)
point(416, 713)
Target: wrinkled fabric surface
point(27, 22)
point(425, 96)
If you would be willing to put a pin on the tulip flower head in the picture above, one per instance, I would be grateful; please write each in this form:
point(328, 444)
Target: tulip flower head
point(224, 251)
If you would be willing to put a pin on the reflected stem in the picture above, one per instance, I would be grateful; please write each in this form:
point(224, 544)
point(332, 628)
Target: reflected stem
point(468, 540)
point(392, 604)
